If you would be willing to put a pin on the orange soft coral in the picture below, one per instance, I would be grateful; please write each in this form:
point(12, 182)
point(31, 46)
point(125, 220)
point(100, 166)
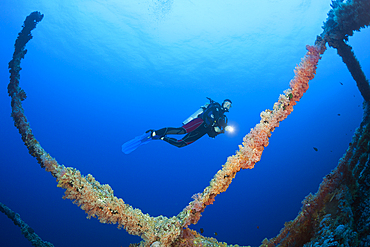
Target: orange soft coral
point(258, 138)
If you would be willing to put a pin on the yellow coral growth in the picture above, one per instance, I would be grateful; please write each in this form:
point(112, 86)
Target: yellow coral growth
point(258, 138)
point(98, 201)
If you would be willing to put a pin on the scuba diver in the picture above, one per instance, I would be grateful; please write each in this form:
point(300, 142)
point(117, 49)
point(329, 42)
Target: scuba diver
point(209, 119)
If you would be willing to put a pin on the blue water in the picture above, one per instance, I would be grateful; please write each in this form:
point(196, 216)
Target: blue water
point(99, 73)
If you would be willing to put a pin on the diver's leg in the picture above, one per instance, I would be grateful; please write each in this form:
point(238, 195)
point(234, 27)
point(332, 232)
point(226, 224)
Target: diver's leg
point(193, 136)
point(166, 131)
point(170, 131)
point(175, 142)
point(193, 125)
point(187, 128)
point(188, 139)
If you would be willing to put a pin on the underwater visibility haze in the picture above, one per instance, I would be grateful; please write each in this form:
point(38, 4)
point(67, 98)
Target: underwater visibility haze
point(99, 73)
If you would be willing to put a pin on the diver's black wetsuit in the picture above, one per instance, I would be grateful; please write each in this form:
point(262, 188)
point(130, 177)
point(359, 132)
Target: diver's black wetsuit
point(206, 122)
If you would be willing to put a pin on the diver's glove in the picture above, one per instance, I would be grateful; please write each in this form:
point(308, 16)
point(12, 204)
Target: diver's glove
point(217, 129)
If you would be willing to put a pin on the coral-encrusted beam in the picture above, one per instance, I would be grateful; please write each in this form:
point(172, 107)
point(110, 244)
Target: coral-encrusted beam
point(26, 230)
point(343, 19)
point(258, 138)
point(97, 200)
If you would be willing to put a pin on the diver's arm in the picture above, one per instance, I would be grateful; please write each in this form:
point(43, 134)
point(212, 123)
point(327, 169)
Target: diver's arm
point(221, 124)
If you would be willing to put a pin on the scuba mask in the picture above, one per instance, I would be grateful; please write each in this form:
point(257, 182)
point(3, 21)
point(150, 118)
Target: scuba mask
point(226, 105)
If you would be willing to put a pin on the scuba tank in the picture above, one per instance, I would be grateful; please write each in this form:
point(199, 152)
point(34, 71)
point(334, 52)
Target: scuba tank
point(195, 114)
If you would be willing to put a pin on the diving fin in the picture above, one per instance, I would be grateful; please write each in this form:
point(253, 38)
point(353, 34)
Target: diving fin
point(130, 146)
